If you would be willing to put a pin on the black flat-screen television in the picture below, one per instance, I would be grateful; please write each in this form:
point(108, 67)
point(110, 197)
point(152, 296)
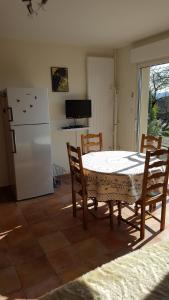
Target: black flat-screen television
point(76, 109)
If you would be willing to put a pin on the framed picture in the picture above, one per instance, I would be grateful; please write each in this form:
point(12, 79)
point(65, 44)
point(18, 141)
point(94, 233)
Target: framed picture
point(59, 78)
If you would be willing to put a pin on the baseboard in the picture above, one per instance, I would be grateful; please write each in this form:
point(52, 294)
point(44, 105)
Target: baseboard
point(5, 188)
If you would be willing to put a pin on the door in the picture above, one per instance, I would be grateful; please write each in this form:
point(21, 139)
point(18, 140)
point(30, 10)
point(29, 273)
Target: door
point(100, 81)
point(32, 160)
point(154, 102)
point(28, 106)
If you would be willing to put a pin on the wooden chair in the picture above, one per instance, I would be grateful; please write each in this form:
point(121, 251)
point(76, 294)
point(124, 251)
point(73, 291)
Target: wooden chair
point(150, 142)
point(78, 180)
point(91, 142)
point(154, 189)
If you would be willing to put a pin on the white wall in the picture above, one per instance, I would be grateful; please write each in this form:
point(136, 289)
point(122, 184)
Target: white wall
point(127, 84)
point(127, 100)
point(28, 65)
point(152, 51)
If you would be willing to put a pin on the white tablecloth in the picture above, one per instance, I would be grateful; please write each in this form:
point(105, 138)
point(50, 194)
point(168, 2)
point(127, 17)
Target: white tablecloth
point(114, 175)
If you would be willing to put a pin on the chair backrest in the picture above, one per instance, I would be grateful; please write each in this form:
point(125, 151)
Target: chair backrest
point(150, 142)
point(155, 178)
point(91, 142)
point(76, 167)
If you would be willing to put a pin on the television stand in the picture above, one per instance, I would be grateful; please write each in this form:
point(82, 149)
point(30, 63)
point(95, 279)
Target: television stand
point(73, 126)
point(75, 129)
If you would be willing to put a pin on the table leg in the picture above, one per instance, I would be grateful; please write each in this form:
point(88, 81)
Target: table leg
point(111, 206)
point(119, 212)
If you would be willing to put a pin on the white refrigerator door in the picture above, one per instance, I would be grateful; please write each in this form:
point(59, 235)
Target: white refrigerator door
point(28, 106)
point(32, 160)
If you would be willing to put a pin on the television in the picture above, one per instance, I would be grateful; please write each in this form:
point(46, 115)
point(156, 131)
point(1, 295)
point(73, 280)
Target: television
point(76, 109)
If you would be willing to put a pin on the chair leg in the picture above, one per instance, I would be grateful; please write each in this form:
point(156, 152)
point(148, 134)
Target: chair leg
point(163, 214)
point(111, 206)
point(119, 212)
point(74, 203)
point(152, 207)
point(85, 210)
point(95, 204)
point(136, 209)
point(142, 225)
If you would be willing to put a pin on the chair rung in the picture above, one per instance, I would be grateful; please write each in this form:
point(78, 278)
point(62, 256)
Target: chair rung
point(155, 186)
point(157, 164)
point(156, 175)
point(130, 223)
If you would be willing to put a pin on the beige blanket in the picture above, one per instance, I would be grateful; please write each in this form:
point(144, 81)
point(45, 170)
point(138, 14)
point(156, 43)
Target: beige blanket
point(143, 274)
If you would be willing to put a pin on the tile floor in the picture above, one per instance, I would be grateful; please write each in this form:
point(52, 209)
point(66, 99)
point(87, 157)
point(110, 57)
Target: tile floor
point(42, 246)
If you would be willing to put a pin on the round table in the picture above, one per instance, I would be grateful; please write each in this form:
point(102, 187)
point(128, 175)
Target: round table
point(114, 175)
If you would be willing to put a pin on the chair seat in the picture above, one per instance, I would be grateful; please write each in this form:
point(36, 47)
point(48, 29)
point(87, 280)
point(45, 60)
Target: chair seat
point(154, 197)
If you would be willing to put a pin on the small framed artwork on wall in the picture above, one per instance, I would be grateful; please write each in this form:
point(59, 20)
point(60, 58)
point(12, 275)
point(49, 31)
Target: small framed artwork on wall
point(59, 78)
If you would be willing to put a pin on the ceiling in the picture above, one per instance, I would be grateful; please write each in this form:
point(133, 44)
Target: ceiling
point(94, 23)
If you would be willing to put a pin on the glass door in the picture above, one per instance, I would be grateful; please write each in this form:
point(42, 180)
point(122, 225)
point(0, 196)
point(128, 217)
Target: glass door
point(154, 102)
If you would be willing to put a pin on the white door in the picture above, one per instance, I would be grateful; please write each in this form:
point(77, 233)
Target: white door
point(32, 160)
point(100, 81)
point(28, 106)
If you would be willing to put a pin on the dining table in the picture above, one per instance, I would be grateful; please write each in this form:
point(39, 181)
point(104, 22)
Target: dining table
point(114, 175)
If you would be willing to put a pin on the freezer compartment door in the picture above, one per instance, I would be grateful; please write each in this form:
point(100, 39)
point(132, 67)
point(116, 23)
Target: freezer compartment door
point(27, 106)
point(32, 161)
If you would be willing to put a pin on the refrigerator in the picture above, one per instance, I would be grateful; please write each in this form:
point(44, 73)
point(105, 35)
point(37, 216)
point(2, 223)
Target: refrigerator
point(29, 143)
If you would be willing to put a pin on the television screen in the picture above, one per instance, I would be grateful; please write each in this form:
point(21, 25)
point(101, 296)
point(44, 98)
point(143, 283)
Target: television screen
point(76, 109)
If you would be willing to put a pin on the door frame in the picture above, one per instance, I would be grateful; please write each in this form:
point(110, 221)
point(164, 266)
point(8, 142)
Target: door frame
point(139, 89)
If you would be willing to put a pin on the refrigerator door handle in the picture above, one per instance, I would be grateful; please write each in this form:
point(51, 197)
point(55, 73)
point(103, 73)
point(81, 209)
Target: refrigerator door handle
point(13, 141)
point(10, 114)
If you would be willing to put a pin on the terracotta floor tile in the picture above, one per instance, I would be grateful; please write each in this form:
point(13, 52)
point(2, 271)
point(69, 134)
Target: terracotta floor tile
point(73, 271)
point(53, 242)
point(31, 204)
point(61, 259)
point(32, 216)
point(53, 210)
point(65, 219)
point(35, 205)
point(11, 222)
point(126, 233)
point(8, 209)
point(47, 198)
point(100, 228)
point(9, 281)
point(18, 235)
point(5, 260)
point(47, 246)
point(57, 204)
point(112, 242)
point(91, 247)
point(44, 228)
point(65, 199)
point(76, 234)
point(3, 242)
point(34, 272)
point(25, 252)
point(90, 218)
point(93, 251)
point(43, 287)
point(20, 295)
